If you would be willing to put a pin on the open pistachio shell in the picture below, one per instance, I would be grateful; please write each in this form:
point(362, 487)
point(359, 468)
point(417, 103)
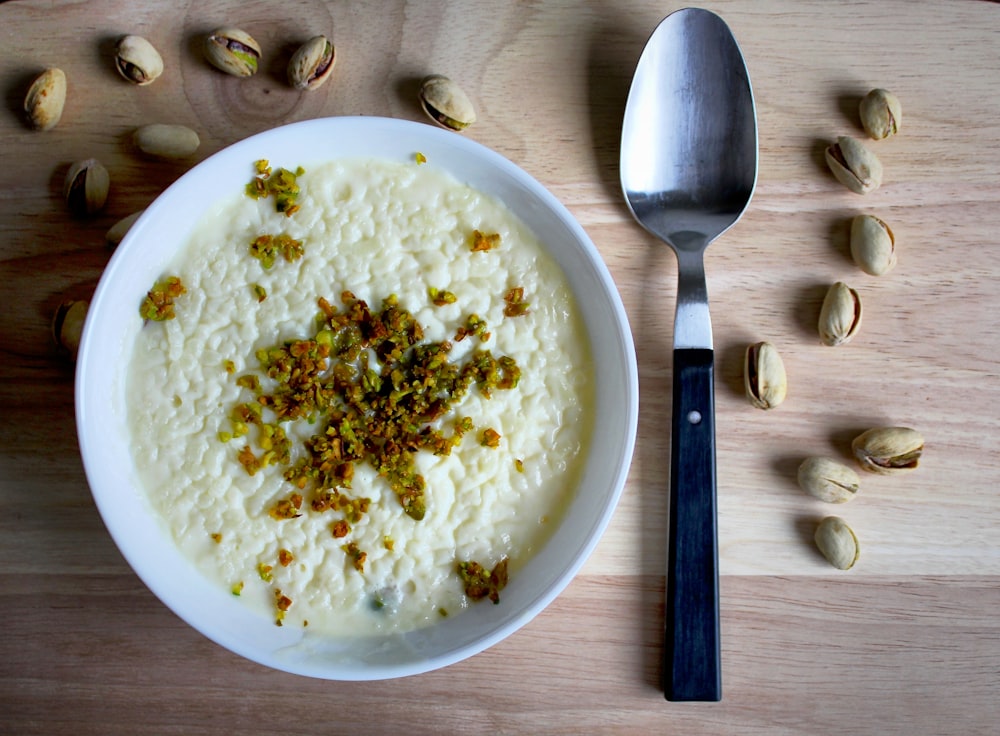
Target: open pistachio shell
point(828, 480)
point(764, 377)
point(445, 103)
point(854, 166)
point(840, 315)
point(888, 450)
point(137, 60)
point(312, 63)
point(67, 326)
point(881, 114)
point(86, 187)
point(233, 51)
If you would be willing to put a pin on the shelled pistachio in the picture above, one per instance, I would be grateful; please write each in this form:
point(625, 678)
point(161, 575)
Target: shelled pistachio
point(838, 542)
point(137, 60)
point(46, 99)
point(312, 63)
point(854, 166)
point(888, 450)
point(840, 315)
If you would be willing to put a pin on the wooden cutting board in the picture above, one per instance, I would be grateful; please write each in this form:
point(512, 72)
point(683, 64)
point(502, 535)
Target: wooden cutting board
point(907, 641)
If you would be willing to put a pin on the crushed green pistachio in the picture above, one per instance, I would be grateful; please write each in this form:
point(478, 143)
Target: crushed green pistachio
point(159, 302)
point(281, 184)
point(514, 304)
point(265, 248)
point(259, 291)
point(482, 583)
point(420, 158)
point(484, 241)
point(356, 556)
point(440, 297)
point(490, 438)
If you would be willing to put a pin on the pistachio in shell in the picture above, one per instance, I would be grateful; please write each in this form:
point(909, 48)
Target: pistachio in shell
point(888, 450)
point(137, 60)
point(764, 379)
point(854, 166)
point(840, 315)
point(86, 187)
point(116, 233)
point(881, 114)
point(828, 480)
point(46, 99)
point(166, 141)
point(312, 63)
point(873, 245)
point(67, 326)
point(838, 542)
point(233, 51)
point(445, 103)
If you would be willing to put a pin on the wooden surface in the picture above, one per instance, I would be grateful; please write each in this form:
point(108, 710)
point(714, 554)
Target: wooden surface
point(906, 642)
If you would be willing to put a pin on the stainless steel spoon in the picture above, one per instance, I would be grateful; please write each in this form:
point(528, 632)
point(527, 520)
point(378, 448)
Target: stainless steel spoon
point(688, 171)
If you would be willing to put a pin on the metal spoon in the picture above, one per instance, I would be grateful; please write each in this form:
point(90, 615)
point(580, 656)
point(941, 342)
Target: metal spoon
point(688, 171)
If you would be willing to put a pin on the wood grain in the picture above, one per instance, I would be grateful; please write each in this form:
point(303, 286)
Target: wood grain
point(906, 642)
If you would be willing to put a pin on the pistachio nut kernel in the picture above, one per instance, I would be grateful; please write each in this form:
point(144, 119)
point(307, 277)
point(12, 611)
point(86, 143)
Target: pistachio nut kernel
point(881, 114)
point(116, 233)
point(764, 377)
point(840, 315)
point(137, 60)
point(46, 99)
point(873, 245)
point(312, 63)
point(166, 141)
point(888, 450)
point(828, 480)
point(233, 51)
point(838, 542)
point(86, 187)
point(445, 103)
point(67, 326)
point(854, 166)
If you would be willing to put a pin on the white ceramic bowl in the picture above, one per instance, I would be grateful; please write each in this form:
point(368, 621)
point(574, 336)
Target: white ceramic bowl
point(147, 546)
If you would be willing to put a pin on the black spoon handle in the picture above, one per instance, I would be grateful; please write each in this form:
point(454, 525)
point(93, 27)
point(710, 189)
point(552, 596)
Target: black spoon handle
point(692, 667)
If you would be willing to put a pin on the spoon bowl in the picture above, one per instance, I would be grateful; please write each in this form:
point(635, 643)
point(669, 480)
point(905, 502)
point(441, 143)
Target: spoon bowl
point(688, 172)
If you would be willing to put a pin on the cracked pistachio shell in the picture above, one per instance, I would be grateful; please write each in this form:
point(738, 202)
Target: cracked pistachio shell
point(854, 166)
point(888, 450)
point(312, 63)
point(233, 51)
point(840, 315)
point(764, 377)
point(116, 233)
point(873, 246)
point(881, 114)
point(166, 141)
point(45, 99)
point(137, 60)
point(445, 103)
point(838, 542)
point(67, 326)
point(828, 480)
point(86, 187)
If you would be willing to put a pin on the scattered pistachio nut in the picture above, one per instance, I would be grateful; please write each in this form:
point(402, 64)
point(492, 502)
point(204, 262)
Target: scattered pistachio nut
point(445, 103)
point(233, 51)
point(888, 450)
point(828, 480)
point(67, 326)
point(873, 245)
point(312, 63)
point(840, 315)
point(45, 99)
point(838, 542)
point(86, 187)
point(854, 166)
point(764, 377)
point(166, 141)
point(116, 233)
point(137, 60)
point(881, 114)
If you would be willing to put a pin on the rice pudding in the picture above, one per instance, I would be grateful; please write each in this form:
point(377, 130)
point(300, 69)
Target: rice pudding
point(259, 496)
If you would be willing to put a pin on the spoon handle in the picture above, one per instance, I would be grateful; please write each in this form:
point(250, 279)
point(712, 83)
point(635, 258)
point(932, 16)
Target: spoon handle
point(691, 654)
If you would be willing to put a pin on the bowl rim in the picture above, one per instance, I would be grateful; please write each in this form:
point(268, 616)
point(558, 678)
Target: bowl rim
point(443, 142)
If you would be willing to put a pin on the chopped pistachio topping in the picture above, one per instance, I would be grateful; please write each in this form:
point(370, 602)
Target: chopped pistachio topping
point(159, 302)
point(265, 248)
point(484, 241)
point(482, 583)
point(440, 297)
point(419, 158)
point(514, 304)
point(281, 184)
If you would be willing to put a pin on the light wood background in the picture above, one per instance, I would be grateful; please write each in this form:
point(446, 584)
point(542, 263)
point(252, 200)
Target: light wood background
point(906, 642)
